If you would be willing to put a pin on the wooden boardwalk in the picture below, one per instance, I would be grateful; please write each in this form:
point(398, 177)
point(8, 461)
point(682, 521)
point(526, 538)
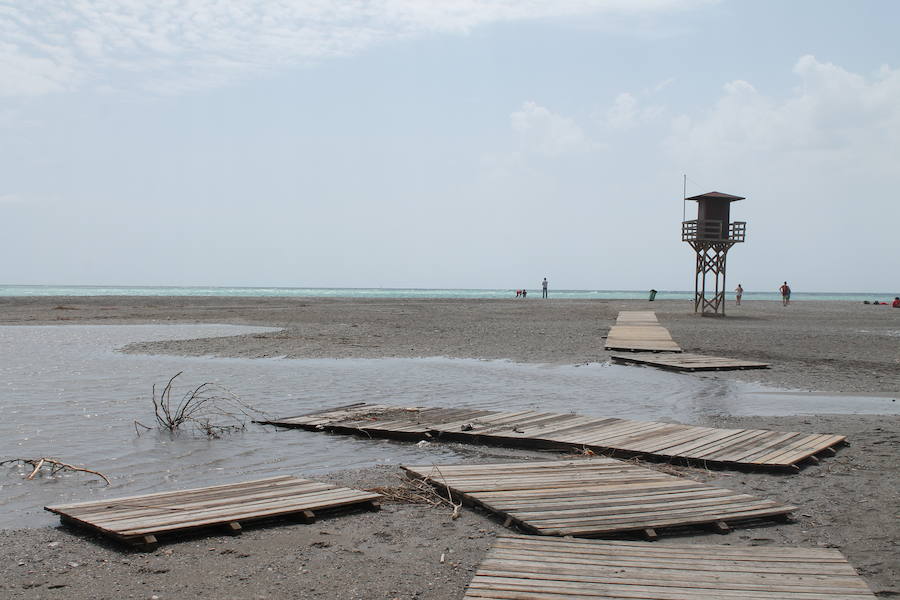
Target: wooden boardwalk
point(688, 362)
point(639, 331)
point(595, 497)
point(759, 448)
point(139, 519)
point(520, 567)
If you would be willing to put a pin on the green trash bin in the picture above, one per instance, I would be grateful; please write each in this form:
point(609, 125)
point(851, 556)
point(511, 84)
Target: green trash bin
point(652, 295)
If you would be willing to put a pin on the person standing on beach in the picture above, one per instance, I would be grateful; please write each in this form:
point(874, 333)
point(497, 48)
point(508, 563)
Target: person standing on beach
point(785, 290)
point(738, 292)
point(524, 293)
point(544, 287)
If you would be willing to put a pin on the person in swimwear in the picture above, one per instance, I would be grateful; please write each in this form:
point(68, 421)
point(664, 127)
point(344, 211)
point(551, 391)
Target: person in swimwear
point(785, 290)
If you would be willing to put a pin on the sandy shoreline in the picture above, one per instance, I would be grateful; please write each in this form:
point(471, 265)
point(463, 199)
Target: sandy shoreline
point(848, 501)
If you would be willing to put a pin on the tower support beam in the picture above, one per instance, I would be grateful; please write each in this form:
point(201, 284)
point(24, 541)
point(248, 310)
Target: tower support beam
point(709, 276)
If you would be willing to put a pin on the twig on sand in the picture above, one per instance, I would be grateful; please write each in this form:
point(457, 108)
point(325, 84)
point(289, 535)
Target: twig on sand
point(417, 491)
point(456, 507)
point(55, 467)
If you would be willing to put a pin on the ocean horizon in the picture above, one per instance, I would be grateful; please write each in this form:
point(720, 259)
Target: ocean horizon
point(386, 293)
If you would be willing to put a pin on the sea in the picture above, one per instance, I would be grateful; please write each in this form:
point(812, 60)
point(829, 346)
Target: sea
point(318, 292)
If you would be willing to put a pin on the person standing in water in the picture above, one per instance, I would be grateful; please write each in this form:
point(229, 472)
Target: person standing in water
point(544, 287)
point(738, 292)
point(785, 290)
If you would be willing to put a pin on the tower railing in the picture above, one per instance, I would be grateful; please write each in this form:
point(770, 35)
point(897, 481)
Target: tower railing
point(713, 230)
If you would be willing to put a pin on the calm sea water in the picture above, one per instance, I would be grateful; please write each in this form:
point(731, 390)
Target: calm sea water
point(288, 292)
point(65, 392)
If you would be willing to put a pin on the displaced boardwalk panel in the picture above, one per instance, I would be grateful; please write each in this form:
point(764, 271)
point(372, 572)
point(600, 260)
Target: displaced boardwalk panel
point(138, 519)
point(639, 331)
point(760, 448)
point(595, 497)
point(538, 568)
point(688, 362)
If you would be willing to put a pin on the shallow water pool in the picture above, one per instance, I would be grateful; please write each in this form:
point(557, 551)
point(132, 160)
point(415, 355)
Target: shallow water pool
point(68, 394)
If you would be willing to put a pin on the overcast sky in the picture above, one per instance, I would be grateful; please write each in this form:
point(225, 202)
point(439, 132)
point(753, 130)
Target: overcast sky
point(472, 144)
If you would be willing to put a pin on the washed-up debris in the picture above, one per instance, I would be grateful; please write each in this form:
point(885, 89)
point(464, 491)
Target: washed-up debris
point(54, 465)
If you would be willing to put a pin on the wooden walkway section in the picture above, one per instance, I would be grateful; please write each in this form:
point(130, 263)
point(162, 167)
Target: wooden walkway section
point(138, 520)
point(710, 446)
point(639, 331)
point(688, 362)
point(520, 567)
point(595, 497)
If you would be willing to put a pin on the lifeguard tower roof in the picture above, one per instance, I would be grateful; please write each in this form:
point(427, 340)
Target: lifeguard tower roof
point(716, 196)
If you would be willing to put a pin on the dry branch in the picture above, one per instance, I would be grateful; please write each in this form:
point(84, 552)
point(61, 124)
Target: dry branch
point(208, 408)
point(443, 482)
point(416, 491)
point(54, 465)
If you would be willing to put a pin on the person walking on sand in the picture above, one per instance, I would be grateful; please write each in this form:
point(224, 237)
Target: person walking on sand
point(544, 287)
point(785, 290)
point(738, 292)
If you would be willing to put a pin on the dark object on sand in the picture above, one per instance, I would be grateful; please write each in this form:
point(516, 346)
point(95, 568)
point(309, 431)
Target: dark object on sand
point(652, 295)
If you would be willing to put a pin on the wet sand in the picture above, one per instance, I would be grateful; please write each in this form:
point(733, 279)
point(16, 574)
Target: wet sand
point(849, 501)
point(825, 346)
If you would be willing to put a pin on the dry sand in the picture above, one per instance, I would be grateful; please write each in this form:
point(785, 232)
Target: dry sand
point(849, 501)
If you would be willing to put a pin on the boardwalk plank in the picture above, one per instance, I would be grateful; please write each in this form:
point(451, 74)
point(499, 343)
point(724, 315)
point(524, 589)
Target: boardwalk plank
point(519, 567)
point(639, 331)
point(687, 362)
point(708, 446)
point(132, 518)
point(576, 498)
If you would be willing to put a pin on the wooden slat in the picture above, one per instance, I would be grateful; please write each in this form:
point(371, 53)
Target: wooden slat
point(134, 517)
point(688, 362)
point(639, 331)
point(593, 497)
point(726, 447)
point(520, 568)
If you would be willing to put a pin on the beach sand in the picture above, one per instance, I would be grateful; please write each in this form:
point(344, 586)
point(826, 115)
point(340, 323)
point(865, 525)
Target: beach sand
point(849, 501)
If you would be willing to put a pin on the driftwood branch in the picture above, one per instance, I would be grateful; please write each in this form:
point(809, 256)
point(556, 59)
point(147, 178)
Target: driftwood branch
point(54, 465)
point(416, 491)
point(443, 482)
point(208, 408)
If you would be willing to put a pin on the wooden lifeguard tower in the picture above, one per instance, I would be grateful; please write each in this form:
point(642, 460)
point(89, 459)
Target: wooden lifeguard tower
point(711, 235)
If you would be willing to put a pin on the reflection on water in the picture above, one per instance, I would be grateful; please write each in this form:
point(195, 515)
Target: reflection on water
point(66, 393)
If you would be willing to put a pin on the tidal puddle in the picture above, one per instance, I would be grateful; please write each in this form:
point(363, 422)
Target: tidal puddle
point(65, 392)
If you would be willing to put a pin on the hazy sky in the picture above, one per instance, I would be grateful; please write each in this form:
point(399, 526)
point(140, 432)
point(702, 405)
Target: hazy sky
point(416, 143)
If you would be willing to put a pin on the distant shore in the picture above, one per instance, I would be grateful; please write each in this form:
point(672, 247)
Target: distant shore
point(849, 501)
point(382, 293)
